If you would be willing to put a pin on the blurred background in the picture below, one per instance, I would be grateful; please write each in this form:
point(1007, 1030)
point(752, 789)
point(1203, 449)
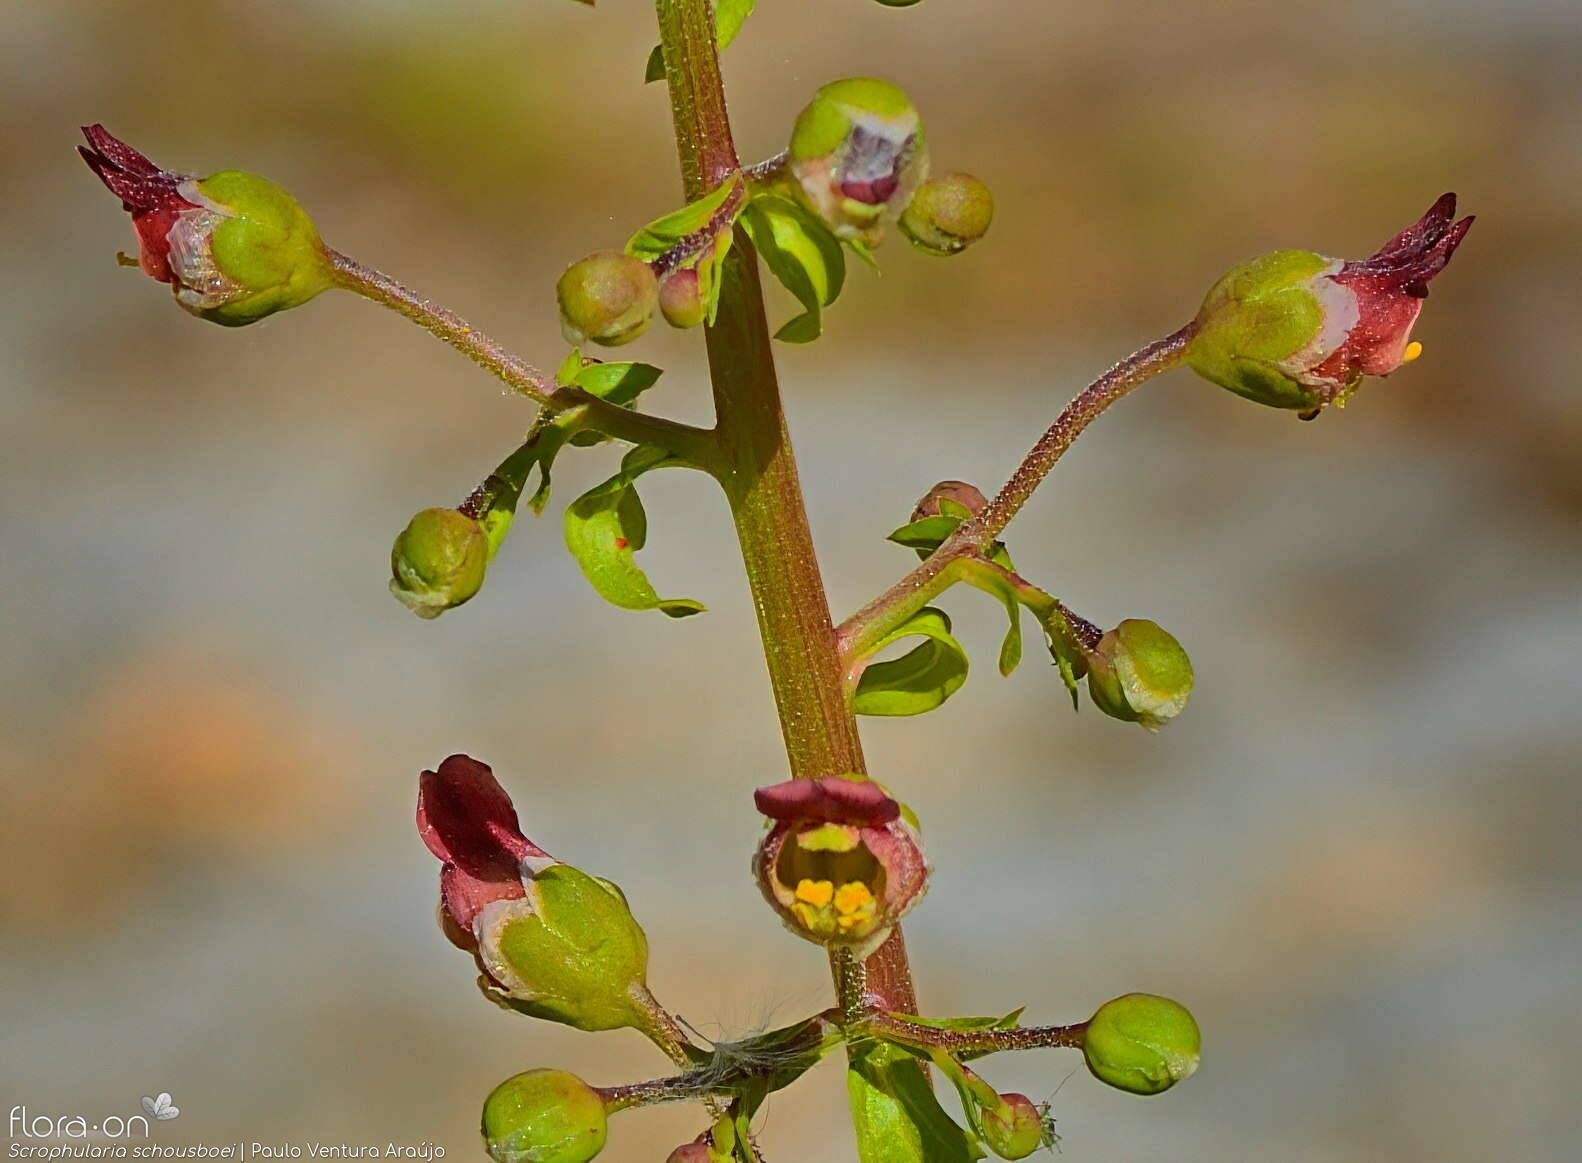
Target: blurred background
point(1355, 856)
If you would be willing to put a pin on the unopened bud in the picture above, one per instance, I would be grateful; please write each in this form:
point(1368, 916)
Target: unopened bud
point(544, 1116)
point(1014, 1128)
point(948, 214)
point(858, 155)
point(1139, 673)
point(950, 495)
point(1142, 1043)
point(681, 299)
point(608, 298)
point(438, 561)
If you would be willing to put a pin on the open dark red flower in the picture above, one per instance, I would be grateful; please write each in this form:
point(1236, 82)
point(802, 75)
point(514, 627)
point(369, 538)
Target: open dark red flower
point(841, 862)
point(466, 819)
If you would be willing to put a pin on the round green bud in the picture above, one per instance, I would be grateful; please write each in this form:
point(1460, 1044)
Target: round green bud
point(609, 298)
point(263, 248)
point(544, 1116)
point(1014, 1129)
point(438, 561)
point(681, 299)
point(948, 214)
point(1139, 673)
point(569, 951)
point(1255, 325)
point(1142, 1043)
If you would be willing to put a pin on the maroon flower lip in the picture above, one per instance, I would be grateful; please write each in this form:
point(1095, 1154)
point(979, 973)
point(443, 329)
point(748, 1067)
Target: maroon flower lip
point(466, 819)
point(831, 800)
point(148, 193)
point(1408, 261)
point(874, 192)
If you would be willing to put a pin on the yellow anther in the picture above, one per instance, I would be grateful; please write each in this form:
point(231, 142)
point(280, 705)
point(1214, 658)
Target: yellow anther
point(1413, 350)
point(853, 898)
point(808, 919)
point(847, 924)
point(815, 892)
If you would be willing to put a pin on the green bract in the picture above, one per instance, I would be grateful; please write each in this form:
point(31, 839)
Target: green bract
point(607, 525)
point(608, 298)
point(948, 214)
point(1142, 1043)
point(922, 678)
point(1139, 673)
point(438, 561)
point(570, 951)
point(1254, 320)
point(544, 1116)
point(264, 244)
point(801, 252)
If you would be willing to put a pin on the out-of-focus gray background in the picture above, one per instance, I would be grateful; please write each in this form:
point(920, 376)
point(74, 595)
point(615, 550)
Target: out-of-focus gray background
point(1355, 856)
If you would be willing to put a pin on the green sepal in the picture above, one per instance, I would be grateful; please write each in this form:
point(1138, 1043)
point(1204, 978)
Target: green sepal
point(579, 957)
point(729, 16)
point(801, 252)
point(606, 526)
point(895, 1113)
point(267, 245)
point(662, 234)
point(922, 678)
point(1257, 316)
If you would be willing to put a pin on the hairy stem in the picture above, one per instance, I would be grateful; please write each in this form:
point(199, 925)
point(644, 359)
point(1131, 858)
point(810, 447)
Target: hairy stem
point(975, 1042)
point(760, 478)
point(972, 538)
point(694, 444)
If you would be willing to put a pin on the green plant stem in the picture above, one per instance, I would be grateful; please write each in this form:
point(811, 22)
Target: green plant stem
point(972, 538)
point(975, 1042)
point(695, 444)
point(760, 474)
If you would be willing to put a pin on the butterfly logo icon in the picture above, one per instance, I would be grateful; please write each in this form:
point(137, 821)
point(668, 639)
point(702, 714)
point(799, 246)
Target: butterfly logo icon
point(160, 1108)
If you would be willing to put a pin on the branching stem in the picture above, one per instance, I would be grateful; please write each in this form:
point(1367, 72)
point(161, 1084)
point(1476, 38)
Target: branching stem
point(694, 444)
point(972, 539)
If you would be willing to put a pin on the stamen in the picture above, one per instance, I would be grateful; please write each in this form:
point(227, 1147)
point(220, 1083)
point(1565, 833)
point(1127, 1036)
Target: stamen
point(854, 898)
point(815, 892)
point(1413, 350)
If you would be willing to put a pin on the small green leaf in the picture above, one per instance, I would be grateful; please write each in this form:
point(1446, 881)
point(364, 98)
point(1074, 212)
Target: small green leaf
point(619, 383)
point(606, 526)
point(729, 16)
point(800, 252)
point(895, 1113)
point(925, 534)
point(662, 234)
point(920, 679)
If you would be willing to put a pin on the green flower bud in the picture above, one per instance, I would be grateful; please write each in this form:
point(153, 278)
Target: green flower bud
point(438, 561)
point(608, 298)
point(948, 214)
point(1142, 1043)
point(568, 951)
point(858, 155)
point(1139, 673)
point(544, 1116)
point(681, 299)
point(1014, 1128)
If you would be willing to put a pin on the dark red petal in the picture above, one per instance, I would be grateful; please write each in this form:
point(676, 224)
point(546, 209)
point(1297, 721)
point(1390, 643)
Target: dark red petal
point(116, 152)
point(873, 192)
point(832, 800)
point(465, 818)
point(1424, 232)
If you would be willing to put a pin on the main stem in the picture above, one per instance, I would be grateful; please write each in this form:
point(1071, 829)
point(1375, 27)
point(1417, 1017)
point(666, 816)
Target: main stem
point(760, 473)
